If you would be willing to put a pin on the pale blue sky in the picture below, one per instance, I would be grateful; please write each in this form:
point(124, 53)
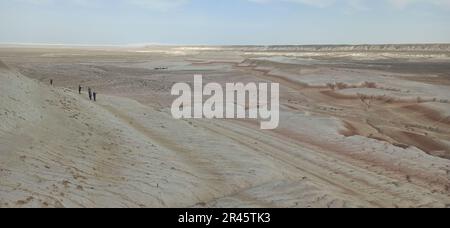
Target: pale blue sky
point(218, 22)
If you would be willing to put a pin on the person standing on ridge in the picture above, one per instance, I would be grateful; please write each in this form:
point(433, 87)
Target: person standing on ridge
point(90, 93)
point(51, 81)
point(79, 89)
point(95, 96)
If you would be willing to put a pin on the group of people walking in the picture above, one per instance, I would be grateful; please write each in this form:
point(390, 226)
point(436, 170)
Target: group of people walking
point(92, 94)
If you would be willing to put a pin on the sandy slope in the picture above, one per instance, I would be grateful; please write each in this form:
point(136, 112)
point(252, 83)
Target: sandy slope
point(58, 149)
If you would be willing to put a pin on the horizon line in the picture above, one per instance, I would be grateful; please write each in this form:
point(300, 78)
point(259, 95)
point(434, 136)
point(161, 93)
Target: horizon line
point(142, 45)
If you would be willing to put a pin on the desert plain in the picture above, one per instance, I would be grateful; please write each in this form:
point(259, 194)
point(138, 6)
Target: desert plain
point(360, 126)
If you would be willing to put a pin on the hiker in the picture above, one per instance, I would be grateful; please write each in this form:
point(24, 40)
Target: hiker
point(79, 89)
point(95, 96)
point(90, 93)
point(51, 81)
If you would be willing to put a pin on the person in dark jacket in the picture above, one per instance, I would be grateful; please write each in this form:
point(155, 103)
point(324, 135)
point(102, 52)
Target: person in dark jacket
point(90, 93)
point(51, 81)
point(79, 89)
point(95, 96)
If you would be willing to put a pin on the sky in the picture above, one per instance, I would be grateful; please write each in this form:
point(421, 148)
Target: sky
point(224, 22)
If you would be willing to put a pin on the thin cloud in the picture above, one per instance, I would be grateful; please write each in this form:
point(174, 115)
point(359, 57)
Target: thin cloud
point(164, 5)
point(315, 3)
point(360, 4)
point(401, 4)
point(161, 5)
